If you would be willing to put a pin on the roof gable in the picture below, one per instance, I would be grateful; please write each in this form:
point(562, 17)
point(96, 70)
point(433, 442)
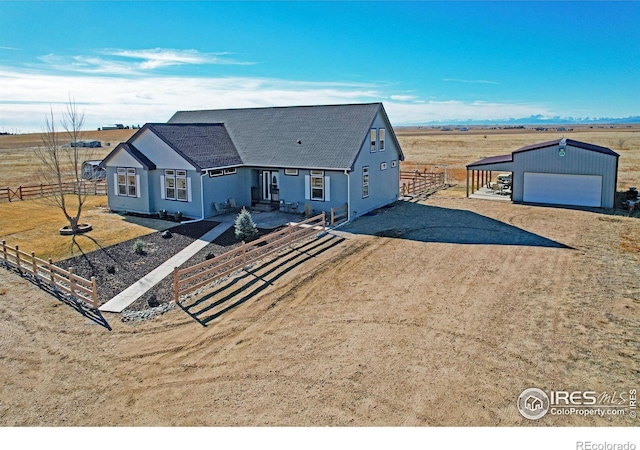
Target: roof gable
point(571, 142)
point(133, 152)
point(202, 145)
point(322, 137)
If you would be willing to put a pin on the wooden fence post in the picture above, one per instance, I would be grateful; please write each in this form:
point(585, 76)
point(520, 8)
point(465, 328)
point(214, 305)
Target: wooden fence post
point(289, 226)
point(244, 254)
point(4, 251)
point(324, 221)
point(72, 282)
point(18, 259)
point(33, 264)
point(176, 292)
point(52, 275)
point(94, 292)
point(20, 192)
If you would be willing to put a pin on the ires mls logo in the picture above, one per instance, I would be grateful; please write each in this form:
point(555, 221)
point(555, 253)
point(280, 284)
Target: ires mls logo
point(534, 403)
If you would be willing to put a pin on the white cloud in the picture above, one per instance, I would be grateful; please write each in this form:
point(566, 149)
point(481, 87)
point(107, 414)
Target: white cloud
point(133, 100)
point(403, 98)
point(134, 62)
point(453, 110)
point(26, 96)
point(161, 57)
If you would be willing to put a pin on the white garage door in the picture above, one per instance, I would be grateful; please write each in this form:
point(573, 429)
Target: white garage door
point(562, 189)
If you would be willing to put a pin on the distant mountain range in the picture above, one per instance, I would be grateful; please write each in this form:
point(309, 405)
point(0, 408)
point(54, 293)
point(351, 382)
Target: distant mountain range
point(542, 120)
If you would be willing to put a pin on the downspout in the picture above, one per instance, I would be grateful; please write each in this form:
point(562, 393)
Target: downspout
point(346, 172)
point(201, 202)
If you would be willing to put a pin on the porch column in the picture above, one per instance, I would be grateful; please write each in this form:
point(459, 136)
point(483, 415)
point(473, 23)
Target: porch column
point(467, 182)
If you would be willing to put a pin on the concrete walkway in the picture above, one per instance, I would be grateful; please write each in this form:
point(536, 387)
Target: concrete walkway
point(263, 220)
point(139, 288)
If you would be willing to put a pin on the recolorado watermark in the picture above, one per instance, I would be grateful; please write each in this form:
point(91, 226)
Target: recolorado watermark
point(588, 445)
point(534, 403)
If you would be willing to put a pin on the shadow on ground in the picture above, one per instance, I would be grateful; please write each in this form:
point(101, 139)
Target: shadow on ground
point(79, 306)
point(237, 290)
point(418, 222)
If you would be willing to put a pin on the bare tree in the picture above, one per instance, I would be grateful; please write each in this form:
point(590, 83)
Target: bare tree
point(62, 164)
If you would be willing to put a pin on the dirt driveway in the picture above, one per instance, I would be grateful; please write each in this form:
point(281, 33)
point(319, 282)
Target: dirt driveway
point(438, 313)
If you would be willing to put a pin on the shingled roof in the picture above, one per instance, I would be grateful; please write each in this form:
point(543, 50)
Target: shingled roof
point(203, 145)
point(316, 137)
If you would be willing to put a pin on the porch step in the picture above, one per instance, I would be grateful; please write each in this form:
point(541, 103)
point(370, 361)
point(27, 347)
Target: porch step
point(265, 207)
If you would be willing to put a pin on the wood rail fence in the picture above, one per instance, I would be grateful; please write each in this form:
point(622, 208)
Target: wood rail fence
point(339, 215)
point(9, 194)
point(46, 271)
point(197, 276)
point(416, 183)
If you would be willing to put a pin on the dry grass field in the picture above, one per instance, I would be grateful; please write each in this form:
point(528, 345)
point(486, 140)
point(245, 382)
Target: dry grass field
point(437, 313)
point(33, 225)
point(19, 164)
point(459, 148)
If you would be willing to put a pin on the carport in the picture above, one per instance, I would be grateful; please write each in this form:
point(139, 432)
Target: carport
point(484, 172)
point(558, 172)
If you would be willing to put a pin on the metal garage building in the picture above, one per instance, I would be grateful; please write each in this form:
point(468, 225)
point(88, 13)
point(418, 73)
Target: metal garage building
point(559, 172)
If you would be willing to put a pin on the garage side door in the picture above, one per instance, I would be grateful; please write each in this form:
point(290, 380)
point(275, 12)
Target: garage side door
point(562, 189)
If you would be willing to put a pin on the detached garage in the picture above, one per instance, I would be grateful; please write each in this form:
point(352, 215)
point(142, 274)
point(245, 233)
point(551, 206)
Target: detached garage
point(559, 172)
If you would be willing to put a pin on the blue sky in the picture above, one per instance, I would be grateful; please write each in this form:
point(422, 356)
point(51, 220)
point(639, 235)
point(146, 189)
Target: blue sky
point(135, 62)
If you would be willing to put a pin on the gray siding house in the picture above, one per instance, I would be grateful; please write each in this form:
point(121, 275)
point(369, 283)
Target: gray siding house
point(558, 172)
point(320, 156)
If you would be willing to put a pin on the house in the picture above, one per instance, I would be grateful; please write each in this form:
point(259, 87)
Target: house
point(317, 157)
point(91, 170)
point(558, 172)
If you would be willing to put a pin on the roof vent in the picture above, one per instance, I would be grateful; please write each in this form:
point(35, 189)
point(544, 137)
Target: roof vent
point(299, 142)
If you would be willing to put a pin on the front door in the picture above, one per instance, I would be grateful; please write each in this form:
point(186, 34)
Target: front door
point(269, 183)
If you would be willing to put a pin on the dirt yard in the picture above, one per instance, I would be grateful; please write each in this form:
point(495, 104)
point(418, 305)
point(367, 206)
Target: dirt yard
point(436, 313)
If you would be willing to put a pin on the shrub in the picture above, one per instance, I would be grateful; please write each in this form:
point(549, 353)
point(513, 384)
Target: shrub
point(111, 269)
point(209, 256)
point(138, 247)
point(245, 228)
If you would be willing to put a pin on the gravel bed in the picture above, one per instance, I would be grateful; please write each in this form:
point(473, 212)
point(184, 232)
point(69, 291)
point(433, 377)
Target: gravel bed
point(118, 266)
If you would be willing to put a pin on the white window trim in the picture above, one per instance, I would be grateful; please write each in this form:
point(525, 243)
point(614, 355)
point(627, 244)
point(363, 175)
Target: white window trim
point(127, 172)
point(383, 166)
point(175, 175)
point(381, 138)
point(231, 171)
point(394, 163)
point(365, 171)
point(373, 139)
point(317, 175)
point(291, 172)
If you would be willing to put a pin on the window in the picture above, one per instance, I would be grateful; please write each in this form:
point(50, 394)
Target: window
point(175, 185)
point(365, 182)
point(230, 171)
point(127, 182)
point(215, 173)
point(383, 166)
point(291, 172)
point(373, 139)
point(381, 139)
point(122, 181)
point(317, 185)
point(394, 163)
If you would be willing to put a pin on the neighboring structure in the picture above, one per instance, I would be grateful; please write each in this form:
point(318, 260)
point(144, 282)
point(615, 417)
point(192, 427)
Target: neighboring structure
point(85, 143)
point(560, 172)
point(317, 157)
point(91, 170)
